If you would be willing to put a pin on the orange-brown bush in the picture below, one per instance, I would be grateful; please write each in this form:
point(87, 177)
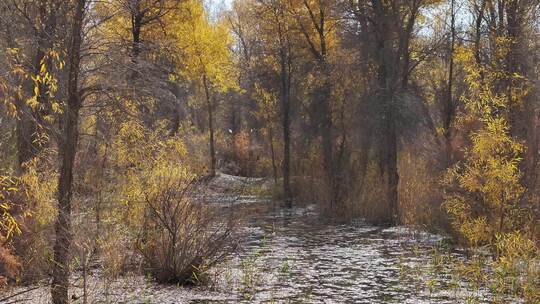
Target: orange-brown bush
point(10, 265)
point(183, 237)
point(242, 156)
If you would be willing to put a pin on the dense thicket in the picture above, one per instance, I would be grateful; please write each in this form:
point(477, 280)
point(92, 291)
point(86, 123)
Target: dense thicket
point(417, 112)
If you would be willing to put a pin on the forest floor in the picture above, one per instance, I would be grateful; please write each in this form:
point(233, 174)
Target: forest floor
point(287, 256)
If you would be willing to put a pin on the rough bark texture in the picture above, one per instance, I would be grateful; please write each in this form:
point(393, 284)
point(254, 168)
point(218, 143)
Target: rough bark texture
point(386, 86)
point(393, 28)
point(68, 149)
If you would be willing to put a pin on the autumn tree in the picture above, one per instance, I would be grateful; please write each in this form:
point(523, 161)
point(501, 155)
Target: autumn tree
point(206, 62)
point(316, 23)
point(33, 55)
point(276, 29)
point(68, 150)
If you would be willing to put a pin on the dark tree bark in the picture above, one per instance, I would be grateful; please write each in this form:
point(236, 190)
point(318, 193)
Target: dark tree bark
point(31, 123)
point(449, 106)
point(386, 76)
point(273, 154)
point(143, 15)
point(136, 33)
point(318, 49)
point(68, 149)
point(392, 22)
point(285, 64)
point(525, 120)
point(26, 131)
point(210, 110)
point(286, 108)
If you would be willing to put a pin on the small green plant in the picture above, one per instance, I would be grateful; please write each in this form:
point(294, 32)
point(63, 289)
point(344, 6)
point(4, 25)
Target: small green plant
point(285, 268)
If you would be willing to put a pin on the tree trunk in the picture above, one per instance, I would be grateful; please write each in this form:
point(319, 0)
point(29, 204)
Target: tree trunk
point(527, 120)
point(25, 125)
point(273, 154)
point(26, 131)
point(210, 109)
point(31, 122)
point(136, 25)
point(68, 149)
point(387, 77)
point(285, 104)
point(328, 162)
point(326, 125)
point(391, 167)
point(449, 107)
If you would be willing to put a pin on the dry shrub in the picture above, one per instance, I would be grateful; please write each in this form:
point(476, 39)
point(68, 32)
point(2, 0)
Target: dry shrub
point(38, 212)
point(371, 204)
point(242, 156)
point(22, 207)
point(115, 252)
point(420, 194)
point(182, 237)
point(307, 181)
point(347, 198)
point(246, 154)
point(10, 266)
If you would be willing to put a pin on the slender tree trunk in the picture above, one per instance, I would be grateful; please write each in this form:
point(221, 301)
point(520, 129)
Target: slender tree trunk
point(449, 107)
point(26, 131)
point(326, 134)
point(319, 50)
point(30, 122)
point(68, 149)
point(478, 31)
point(136, 25)
point(273, 154)
point(391, 166)
point(285, 104)
point(26, 127)
point(210, 109)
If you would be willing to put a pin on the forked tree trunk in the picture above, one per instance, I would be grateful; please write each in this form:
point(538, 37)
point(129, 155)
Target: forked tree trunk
point(68, 149)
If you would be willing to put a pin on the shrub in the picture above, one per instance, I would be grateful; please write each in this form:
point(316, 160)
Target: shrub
point(183, 237)
point(9, 263)
point(420, 193)
point(149, 217)
point(36, 215)
point(26, 214)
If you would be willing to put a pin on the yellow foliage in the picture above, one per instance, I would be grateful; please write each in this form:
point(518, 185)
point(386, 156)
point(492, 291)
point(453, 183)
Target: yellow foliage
point(205, 49)
point(29, 194)
point(484, 190)
point(143, 158)
point(8, 224)
point(39, 183)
